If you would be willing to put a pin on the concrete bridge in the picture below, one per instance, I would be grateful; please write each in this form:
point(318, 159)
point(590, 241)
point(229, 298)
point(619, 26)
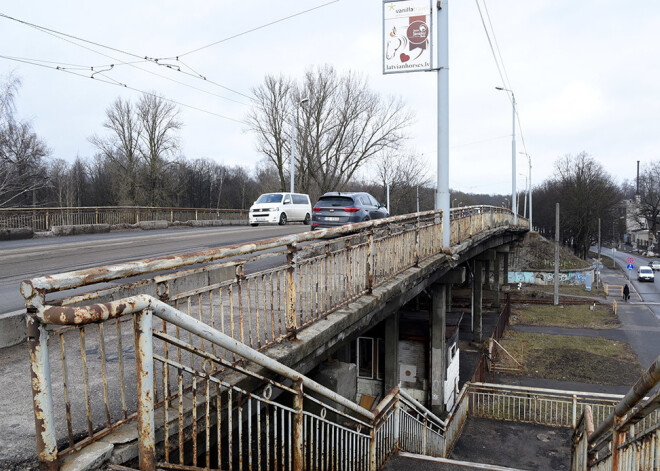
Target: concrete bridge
point(297, 299)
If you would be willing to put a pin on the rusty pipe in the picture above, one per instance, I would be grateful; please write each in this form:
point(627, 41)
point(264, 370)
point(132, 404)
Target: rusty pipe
point(643, 385)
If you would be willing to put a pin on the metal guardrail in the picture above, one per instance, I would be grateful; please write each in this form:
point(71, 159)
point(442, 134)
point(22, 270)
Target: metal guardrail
point(611, 290)
point(629, 438)
point(43, 219)
point(305, 279)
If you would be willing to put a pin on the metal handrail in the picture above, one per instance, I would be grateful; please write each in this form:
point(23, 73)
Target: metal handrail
point(35, 287)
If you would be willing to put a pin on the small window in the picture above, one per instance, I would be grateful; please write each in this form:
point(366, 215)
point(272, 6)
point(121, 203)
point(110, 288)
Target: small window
point(365, 200)
point(370, 358)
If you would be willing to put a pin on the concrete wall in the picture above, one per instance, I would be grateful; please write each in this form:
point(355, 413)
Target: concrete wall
point(573, 277)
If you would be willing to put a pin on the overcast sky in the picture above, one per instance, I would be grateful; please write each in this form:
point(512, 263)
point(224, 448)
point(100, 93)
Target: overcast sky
point(586, 75)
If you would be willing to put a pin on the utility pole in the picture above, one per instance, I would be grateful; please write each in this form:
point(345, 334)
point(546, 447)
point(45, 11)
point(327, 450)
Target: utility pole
point(442, 66)
point(598, 266)
point(556, 290)
point(514, 195)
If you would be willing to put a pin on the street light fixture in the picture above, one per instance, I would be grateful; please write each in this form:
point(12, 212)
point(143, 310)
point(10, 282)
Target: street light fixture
point(514, 206)
point(524, 213)
point(529, 160)
point(294, 118)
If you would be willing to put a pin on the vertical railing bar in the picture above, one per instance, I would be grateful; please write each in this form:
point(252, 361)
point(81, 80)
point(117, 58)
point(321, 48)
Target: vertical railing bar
point(218, 420)
point(67, 404)
point(181, 437)
point(193, 394)
point(106, 400)
point(212, 317)
point(166, 407)
point(230, 427)
point(256, 308)
point(88, 406)
point(207, 423)
point(239, 287)
point(249, 312)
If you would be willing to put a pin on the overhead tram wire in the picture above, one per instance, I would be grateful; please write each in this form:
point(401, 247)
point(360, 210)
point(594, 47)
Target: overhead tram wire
point(72, 39)
point(132, 64)
point(497, 46)
point(506, 82)
point(259, 27)
point(112, 81)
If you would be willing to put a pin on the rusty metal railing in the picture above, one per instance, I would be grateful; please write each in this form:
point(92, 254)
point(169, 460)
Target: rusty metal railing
point(536, 405)
point(258, 294)
point(43, 219)
point(211, 418)
point(629, 437)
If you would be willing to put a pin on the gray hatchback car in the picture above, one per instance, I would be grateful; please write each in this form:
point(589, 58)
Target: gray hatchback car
point(338, 208)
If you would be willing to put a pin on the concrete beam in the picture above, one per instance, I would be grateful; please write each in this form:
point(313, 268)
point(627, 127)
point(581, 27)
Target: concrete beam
point(487, 256)
point(438, 366)
point(503, 249)
point(453, 277)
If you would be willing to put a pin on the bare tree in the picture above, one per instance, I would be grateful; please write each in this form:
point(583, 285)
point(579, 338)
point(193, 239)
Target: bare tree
point(159, 123)
point(122, 146)
point(647, 209)
point(22, 171)
point(406, 173)
point(340, 128)
point(268, 121)
point(8, 92)
point(585, 192)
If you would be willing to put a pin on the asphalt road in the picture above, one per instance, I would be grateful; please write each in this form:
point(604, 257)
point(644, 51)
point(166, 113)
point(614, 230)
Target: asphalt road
point(641, 291)
point(23, 259)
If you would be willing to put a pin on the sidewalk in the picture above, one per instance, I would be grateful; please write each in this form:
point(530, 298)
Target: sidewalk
point(640, 328)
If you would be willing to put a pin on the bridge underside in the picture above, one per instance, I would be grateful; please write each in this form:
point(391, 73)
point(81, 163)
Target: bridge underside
point(319, 340)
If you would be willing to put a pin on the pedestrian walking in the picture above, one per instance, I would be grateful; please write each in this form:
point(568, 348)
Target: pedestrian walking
point(626, 293)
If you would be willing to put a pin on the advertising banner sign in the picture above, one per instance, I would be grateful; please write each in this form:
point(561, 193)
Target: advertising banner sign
point(407, 31)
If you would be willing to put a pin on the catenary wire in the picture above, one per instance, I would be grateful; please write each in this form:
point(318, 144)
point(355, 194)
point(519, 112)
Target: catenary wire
point(506, 82)
point(123, 85)
point(259, 27)
point(71, 39)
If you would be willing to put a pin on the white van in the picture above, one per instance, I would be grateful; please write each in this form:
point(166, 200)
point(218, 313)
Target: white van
point(281, 208)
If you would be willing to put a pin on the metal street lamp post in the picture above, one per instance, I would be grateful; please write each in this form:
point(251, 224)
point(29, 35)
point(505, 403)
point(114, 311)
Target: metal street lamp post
point(529, 187)
point(514, 206)
point(294, 117)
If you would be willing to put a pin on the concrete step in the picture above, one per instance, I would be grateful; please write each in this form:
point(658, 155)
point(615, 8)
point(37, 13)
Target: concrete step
point(404, 460)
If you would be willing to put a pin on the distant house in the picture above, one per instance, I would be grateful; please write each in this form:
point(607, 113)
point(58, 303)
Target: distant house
point(636, 232)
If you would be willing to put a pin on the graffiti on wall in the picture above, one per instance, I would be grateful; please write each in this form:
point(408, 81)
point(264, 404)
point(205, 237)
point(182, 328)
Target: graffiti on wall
point(544, 278)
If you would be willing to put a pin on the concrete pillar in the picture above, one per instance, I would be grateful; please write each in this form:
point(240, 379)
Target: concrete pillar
point(438, 366)
point(477, 282)
point(506, 267)
point(391, 345)
point(498, 279)
point(449, 291)
point(487, 269)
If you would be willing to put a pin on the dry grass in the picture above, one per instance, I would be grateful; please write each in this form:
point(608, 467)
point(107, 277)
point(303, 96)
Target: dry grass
point(570, 358)
point(578, 316)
